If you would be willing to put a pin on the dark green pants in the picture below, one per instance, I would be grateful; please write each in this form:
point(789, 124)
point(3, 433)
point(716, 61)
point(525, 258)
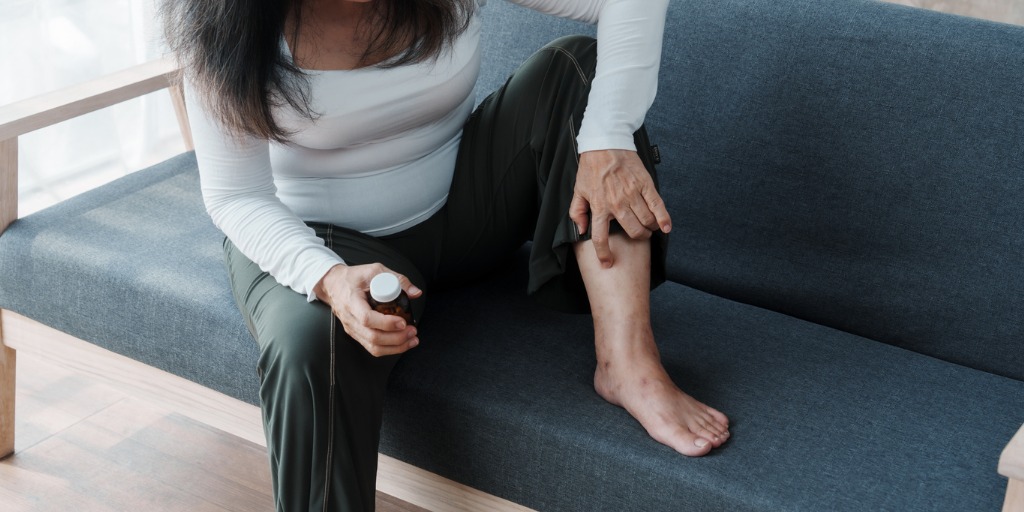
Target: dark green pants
point(322, 394)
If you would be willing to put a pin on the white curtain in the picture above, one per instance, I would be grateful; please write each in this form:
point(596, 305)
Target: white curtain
point(49, 44)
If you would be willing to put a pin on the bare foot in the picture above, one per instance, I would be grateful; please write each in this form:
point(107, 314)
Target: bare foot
point(636, 381)
point(629, 371)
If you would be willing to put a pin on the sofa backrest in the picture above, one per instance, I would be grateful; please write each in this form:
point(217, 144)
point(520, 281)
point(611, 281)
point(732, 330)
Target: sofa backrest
point(511, 34)
point(852, 163)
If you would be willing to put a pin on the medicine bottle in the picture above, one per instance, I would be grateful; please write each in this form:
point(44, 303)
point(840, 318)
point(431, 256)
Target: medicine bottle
point(387, 297)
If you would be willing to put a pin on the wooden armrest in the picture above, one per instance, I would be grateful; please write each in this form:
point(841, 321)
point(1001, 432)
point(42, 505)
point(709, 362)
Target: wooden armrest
point(1011, 463)
point(49, 109)
point(39, 112)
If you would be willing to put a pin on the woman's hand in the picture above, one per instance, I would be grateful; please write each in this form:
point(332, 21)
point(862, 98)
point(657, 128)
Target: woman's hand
point(614, 184)
point(345, 289)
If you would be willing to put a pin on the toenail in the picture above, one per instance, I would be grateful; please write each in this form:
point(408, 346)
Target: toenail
point(701, 443)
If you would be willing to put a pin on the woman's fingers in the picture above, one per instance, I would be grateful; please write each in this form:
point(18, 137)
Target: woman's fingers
point(406, 284)
point(579, 212)
point(614, 184)
point(599, 236)
point(377, 321)
point(633, 224)
point(378, 333)
point(376, 341)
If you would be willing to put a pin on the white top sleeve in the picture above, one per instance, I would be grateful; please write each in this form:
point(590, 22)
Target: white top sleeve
point(629, 38)
point(240, 196)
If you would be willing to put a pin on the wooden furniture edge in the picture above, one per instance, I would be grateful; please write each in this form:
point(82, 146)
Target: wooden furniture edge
point(8, 364)
point(394, 477)
point(8, 376)
point(45, 110)
point(1011, 462)
point(181, 113)
point(1011, 465)
point(48, 109)
point(1014, 496)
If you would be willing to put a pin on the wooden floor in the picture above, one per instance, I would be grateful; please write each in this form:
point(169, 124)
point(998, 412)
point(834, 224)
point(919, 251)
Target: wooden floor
point(1006, 11)
point(84, 446)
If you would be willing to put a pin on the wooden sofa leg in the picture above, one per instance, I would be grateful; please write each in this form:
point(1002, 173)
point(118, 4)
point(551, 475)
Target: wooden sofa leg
point(7, 388)
point(8, 212)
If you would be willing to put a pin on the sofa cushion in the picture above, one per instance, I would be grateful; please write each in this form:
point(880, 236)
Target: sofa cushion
point(854, 163)
point(135, 266)
point(510, 35)
point(820, 419)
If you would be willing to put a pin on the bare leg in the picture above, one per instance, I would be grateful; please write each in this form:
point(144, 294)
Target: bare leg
point(629, 371)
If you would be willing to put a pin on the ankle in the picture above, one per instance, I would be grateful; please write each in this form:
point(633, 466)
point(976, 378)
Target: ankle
point(626, 349)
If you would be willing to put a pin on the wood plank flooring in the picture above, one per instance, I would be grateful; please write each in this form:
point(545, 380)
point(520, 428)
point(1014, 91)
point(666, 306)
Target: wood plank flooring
point(1006, 11)
point(84, 446)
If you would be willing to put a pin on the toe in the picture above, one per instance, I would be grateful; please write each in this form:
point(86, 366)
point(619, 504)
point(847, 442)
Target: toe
point(716, 440)
point(685, 442)
point(712, 424)
point(719, 417)
point(709, 422)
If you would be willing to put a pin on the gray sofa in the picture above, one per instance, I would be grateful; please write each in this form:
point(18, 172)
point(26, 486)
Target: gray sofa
point(846, 181)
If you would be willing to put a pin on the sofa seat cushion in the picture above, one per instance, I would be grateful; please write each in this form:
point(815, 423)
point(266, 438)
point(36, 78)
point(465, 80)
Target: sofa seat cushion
point(499, 396)
point(135, 266)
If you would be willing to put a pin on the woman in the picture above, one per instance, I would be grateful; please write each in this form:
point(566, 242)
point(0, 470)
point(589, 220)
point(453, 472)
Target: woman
point(336, 139)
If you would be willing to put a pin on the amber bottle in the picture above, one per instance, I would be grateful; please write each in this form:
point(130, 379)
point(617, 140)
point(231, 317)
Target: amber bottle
point(387, 297)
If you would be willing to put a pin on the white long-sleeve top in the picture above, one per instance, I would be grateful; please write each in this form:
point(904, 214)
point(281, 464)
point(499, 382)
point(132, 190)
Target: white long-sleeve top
point(380, 155)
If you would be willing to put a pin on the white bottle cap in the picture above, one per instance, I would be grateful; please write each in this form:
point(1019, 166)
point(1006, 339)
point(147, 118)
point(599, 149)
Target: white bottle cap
point(385, 287)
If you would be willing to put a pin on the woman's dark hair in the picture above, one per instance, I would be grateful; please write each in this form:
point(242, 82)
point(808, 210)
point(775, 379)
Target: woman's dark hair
point(230, 50)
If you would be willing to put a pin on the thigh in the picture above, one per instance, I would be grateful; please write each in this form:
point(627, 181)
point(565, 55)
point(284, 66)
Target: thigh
point(272, 311)
point(517, 157)
point(285, 325)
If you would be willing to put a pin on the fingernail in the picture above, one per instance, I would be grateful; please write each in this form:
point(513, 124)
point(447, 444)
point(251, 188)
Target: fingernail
point(606, 264)
point(412, 333)
point(701, 442)
point(414, 342)
point(414, 290)
point(400, 324)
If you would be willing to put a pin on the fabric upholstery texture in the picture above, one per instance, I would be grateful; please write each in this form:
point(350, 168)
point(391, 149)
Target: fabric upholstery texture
point(853, 163)
point(820, 419)
point(845, 182)
point(135, 267)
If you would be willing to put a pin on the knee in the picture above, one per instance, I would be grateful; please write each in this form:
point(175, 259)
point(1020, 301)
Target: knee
point(299, 348)
point(581, 49)
point(576, 43)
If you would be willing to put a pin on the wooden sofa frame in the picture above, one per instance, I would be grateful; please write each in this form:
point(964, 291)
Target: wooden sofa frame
point(17, 332)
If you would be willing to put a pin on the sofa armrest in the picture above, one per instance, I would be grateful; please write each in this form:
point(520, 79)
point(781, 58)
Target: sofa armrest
point(32, 114)
point(1011, 465)
point(48, 109)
